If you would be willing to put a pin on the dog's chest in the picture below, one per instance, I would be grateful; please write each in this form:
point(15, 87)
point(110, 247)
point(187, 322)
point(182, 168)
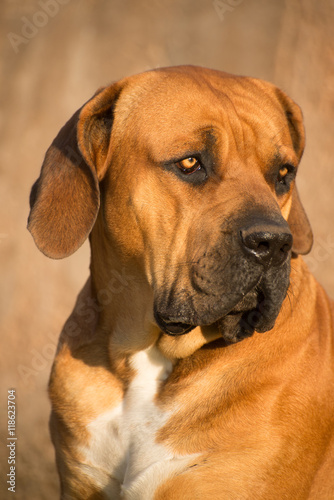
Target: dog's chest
point(122, 442)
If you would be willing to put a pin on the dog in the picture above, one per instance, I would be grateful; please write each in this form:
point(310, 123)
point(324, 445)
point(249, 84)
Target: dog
point(198, 360)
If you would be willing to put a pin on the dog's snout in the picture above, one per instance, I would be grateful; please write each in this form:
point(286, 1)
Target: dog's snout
point(267, 244)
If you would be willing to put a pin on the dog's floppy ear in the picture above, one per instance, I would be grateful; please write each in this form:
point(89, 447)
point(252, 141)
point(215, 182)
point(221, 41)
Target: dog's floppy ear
point(298, 222)
point(65, 199)
point(300, 226)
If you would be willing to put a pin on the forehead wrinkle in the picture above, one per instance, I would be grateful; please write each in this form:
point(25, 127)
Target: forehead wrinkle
point(188, 143)
point(238, 134)
point(259, 129)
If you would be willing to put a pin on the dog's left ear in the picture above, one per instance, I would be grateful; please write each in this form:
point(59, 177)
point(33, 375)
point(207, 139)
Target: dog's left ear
point(298, 222)
point(65, 199)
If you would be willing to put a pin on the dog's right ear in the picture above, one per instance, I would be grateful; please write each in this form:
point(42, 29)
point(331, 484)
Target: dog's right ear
point(65, 199)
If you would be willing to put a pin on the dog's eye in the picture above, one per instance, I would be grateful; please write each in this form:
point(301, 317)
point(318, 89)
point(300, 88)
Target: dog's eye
point(285, 176)
point(283, 172)
point(189, 165)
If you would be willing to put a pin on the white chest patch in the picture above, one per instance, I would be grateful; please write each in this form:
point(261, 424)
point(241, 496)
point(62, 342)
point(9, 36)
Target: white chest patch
point(122, 445)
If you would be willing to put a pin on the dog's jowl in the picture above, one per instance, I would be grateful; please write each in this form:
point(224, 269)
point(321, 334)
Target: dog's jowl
point(198, 360)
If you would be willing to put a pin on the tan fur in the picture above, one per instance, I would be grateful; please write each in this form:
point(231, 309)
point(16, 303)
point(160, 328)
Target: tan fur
point(226, 421)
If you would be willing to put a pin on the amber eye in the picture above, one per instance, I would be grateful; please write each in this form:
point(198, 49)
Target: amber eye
point(283, 171)
point(284, 176)
point(189, 165)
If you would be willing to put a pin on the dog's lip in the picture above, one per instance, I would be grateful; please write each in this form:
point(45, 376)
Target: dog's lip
point(172, 327)
point(176, 328)
point(254, 312)
point(244, 307)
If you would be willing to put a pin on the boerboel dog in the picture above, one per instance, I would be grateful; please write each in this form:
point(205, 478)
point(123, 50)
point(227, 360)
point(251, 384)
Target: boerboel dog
point(198, 361)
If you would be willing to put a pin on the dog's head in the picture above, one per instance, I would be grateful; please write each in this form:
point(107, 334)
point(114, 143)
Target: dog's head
point(192, 173)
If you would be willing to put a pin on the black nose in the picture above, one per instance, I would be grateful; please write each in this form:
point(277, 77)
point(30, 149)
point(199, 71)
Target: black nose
point(268, 244)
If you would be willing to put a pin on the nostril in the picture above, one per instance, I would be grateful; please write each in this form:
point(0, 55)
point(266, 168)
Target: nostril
point(286, 248)
point(263, 247)
point(256, 242)
point(266, 246)
point(286, 242)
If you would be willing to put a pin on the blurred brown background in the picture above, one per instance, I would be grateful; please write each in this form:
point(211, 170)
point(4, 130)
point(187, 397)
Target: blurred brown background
point(54, 55)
